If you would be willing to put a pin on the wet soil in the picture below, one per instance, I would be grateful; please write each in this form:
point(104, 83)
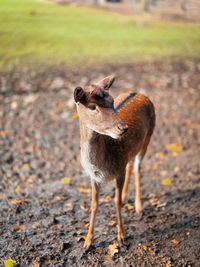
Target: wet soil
point(43, 218)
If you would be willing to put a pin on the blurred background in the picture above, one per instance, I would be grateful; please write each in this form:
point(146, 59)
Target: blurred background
point(53, 32)
point(47, 48)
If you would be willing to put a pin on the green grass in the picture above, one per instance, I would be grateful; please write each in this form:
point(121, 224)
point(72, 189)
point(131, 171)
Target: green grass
point(33, 32)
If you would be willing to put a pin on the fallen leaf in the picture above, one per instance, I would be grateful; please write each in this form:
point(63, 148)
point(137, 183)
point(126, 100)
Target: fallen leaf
point(19, 201)
point(112, 223)
point(19, 228)
point(167, 181)
point(35, 264)
point(175, 148)
point(168, 263)
point(175, 242)
point(17, 188)
point(144, 248)
point(113, 249)
point(25, 166)
point(74, 116)
point(65, 180)
point(106, 199)
point(84, 190)
point(129, 206)
point(9, 263)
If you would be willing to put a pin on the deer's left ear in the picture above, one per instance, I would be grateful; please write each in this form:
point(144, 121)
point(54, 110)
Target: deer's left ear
point(106, 82)
point(79, 95)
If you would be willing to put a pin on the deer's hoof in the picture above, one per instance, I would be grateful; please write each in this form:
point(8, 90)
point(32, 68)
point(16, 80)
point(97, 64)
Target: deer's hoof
point(88, 242)
point(124, 198)
point(121, 242)
point(138, 207)
point(121, 237)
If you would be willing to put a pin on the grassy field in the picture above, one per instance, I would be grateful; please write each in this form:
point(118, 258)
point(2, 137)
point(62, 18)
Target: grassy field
point(33, 32)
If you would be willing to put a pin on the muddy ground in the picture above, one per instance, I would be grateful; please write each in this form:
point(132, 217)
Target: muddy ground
point(43, 218)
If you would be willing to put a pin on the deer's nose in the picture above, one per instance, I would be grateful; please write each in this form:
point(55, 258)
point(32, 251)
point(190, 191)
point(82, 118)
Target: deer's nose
point(123, 128)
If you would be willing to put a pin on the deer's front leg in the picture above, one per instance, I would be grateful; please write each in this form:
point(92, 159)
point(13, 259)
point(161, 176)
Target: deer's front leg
point(94, 207)
point(120, 183)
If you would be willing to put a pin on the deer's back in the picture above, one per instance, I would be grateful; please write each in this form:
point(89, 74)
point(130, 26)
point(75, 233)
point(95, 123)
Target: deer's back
point(137, 111)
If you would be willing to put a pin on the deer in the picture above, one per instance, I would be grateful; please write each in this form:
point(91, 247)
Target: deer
point(114, 134)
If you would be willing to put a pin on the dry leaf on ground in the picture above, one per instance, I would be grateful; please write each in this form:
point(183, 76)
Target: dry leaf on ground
point(25, 166)
point(17, 188)
point(168, 263)
point(84, 190)
point(106, 199)
point(175, 148)
point(113, 249)
point(145, 248)
point(167, 181)
point(129, 206)
point(17, 202)
point(35, 264)
point(65, 180)
point(175, 242)
point(9, 263)
point(74, 116)
point(112, 223)
point(20, 228)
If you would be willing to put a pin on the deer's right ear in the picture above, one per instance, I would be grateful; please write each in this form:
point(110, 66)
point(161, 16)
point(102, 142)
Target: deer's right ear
point(79, 95)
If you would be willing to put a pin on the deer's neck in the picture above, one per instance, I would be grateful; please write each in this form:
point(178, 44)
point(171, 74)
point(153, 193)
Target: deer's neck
point(101, 155)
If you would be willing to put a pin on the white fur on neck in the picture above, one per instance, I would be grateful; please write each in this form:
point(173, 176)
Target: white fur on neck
point(95, 174)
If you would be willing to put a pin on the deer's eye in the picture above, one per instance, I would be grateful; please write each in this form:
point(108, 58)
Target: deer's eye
point(92, 106)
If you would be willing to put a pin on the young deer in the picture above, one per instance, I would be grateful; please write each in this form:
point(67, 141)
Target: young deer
point(113, 134)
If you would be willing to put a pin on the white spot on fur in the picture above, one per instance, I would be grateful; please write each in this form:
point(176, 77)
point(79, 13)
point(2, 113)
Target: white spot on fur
point(94, 173)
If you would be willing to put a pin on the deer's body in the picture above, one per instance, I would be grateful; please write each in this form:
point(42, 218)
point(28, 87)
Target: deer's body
point(113, 134)
point(103, 157)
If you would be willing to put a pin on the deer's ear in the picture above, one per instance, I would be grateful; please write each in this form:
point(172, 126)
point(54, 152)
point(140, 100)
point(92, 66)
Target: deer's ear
point(79, 95)
point(107, 82)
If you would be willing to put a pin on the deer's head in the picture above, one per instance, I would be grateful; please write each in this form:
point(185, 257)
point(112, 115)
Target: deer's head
point(96, 111)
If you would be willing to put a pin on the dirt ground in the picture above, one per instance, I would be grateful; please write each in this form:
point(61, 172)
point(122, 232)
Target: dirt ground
point(44, 218)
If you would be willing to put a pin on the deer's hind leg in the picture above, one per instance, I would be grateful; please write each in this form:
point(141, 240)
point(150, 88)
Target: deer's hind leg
point(137, 166)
